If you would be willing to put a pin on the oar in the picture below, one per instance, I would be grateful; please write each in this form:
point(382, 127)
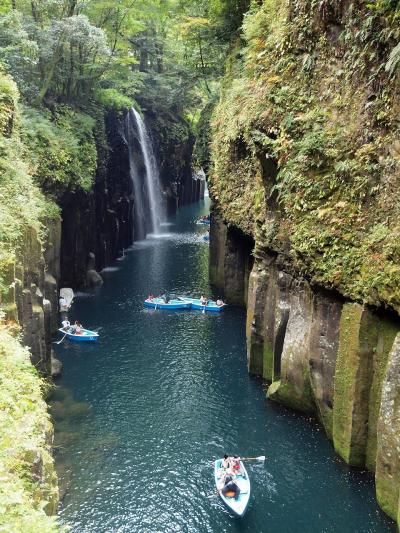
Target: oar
point(59, 342)
point(260, 458)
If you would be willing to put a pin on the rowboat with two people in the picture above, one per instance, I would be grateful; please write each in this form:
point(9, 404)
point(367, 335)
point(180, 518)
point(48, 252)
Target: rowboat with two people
point(232, 486)
point(164, 302)
point(203, 304)
point(79, 334)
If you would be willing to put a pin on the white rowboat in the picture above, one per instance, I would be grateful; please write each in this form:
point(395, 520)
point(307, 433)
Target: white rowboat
point(239, 506)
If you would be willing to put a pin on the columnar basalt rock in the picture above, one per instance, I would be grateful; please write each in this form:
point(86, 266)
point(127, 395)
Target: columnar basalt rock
point(258, 283)
point(353, 378)
point(388, 449)
point(294, 387)
point(230, 260)
point(324, 340)
point(387, 331)
point(218, 236)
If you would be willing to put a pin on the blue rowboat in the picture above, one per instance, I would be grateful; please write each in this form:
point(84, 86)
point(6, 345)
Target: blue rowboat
point(159, 303)
point(85, 336)
point(210, 306)
point(202, 222)
point(239, 506)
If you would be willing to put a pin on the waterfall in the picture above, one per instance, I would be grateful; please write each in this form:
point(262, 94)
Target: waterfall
point(148, 191)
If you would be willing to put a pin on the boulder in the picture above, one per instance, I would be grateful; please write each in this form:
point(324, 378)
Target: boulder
point(93, 278)
point(56, 366)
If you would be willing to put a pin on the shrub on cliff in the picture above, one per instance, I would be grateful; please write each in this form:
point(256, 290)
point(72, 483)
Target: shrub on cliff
point(61, 149)
point(307, 129)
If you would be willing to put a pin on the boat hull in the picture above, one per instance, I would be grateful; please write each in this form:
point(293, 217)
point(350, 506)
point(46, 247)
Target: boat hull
point(203, 222)
point(86, 336)
point(160, 304)
point(237, 507)
point(211, 306)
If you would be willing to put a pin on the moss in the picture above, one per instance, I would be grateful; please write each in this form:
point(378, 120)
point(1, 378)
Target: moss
point(353, 377)
point(28, 488)
point(298, 95)
point(112, 99)
point(387, 331)
point(287, 394)
point(387, 498)
point(268, 361)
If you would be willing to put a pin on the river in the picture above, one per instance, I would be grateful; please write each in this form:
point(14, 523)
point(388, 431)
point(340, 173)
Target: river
point(141, 415)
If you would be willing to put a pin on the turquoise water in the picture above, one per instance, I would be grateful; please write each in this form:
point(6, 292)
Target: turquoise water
point(141, 415)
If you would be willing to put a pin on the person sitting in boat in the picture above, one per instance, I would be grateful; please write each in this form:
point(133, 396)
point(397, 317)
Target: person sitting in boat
point(236, 465)
point(150, 297)
point(66, 324)
point(77, 328)
point(219, 302)
point(226, 462)
point(203, 300)
point(230, 485)
point(167, 299)
point(63, 304)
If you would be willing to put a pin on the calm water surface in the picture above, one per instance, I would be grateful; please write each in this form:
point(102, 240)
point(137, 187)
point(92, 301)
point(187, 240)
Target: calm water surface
point(141, 415)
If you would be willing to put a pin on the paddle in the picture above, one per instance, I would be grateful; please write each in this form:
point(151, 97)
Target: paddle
point(260, 458)
point(59, 342)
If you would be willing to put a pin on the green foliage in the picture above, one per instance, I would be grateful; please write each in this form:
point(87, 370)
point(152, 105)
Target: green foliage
point(25, 494)
point(62, 152)
point(113, 99)
point(289, 99)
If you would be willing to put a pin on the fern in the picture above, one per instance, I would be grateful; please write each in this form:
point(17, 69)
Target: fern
point(393, 61)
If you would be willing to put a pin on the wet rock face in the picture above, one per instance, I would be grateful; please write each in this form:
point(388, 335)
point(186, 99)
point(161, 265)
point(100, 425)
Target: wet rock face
point(324, 340)
point(98, 224)
point(353, 378)
point(173, 144)
point(293, 387)
point(230, 260)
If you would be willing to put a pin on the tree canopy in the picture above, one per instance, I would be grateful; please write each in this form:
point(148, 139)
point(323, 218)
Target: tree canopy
point(74, 51)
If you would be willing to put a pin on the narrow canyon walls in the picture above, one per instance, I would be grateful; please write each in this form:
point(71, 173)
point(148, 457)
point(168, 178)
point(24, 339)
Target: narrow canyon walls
point(320, 354)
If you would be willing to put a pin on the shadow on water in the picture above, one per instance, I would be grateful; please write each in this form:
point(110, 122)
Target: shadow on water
point(162, 394)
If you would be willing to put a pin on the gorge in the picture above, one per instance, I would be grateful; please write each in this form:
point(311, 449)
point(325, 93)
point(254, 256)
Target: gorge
point(290, 109)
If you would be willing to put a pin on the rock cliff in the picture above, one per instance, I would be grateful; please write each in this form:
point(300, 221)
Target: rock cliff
point(305, 167)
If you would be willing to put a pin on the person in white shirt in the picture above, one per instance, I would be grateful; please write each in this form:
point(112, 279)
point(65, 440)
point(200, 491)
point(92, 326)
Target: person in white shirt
point(66, 324)
point(62, 302)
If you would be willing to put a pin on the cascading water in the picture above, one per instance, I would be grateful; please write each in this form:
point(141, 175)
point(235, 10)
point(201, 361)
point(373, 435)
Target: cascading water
point(148, 191)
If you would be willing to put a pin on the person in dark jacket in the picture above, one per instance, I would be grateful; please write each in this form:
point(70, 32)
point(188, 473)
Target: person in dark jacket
point(230, 485)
